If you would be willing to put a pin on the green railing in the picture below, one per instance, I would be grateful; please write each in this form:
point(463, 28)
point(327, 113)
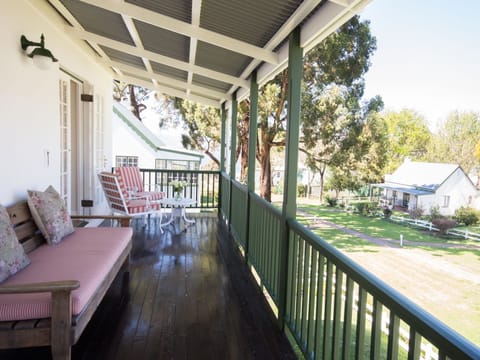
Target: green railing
point(333, 307)
point(225, 196)
point(202, 186)
point(238, 224)
point(264, 243)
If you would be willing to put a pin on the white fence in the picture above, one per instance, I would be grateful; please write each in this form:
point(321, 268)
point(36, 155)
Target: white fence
point(466, 234)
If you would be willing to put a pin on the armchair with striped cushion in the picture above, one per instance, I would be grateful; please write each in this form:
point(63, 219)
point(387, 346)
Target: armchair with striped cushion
point(119, 204)
point(131, 184)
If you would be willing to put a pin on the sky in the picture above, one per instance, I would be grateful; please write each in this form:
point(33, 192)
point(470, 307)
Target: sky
point(427, 57)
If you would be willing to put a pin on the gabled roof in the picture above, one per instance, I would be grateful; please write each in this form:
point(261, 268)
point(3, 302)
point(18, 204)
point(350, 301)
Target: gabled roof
point(422, 175)
point(145, 135)
point(202, 50)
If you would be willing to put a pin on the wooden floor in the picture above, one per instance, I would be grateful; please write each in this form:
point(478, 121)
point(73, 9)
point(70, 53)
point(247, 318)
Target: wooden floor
point(189, 297)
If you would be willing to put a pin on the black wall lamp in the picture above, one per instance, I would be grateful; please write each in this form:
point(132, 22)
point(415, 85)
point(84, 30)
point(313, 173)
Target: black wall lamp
point(40, 54)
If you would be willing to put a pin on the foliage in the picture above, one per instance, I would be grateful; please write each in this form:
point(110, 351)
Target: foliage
point(203, 127)
point(443, 224)
point(136, 95)
point(301, 190)
point(435, 213)
point(467, 216)
point(408, 136)
point(387, 212)
point(457, 140)
point(365, 207)
point(331, 201)
point(332, 116)
point(416, 213)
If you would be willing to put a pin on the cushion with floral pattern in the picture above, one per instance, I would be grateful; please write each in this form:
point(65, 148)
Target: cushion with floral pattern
point(50, 214)
point(12, 256)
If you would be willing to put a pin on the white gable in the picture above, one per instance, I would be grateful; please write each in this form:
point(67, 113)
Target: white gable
point(422, 174)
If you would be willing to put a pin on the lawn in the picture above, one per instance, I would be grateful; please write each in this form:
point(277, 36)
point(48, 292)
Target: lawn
point(444, 281)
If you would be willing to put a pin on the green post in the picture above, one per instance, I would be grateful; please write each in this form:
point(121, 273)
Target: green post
point(252, 144)
point(233, 147)
point(222, 138)
point(295, 67)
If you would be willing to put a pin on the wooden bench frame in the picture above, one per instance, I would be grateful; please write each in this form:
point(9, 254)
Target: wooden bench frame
point(62, 330)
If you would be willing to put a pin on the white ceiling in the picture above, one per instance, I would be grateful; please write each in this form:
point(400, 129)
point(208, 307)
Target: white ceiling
point(202, 50)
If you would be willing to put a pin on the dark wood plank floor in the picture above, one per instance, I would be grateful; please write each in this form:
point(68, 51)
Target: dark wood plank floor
point(189, 297)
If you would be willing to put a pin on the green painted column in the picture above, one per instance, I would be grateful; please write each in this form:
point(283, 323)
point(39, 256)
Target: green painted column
point(295, 67)
point(252, 144)
point(233, 147)
point(233, 140)
point(252, 131)
point(223, 114)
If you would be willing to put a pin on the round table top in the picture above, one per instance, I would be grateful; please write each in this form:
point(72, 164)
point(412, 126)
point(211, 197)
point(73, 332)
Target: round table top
point(177, 202)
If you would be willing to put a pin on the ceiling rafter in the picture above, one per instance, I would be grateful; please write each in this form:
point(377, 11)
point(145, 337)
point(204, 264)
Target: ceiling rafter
point(297, 17)
point(165, 80)
point(196, 10)
point(168, 90)
point(186, 29)
point(152, 56)
point(76, 25)
point(132, 30)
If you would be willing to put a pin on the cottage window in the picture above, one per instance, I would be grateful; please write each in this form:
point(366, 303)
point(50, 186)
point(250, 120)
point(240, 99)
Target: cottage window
point(446, 201)
point(126, 161)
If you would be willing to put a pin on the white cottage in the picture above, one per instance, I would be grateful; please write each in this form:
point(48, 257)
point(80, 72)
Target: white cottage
point(425, 185)
point(135, 145)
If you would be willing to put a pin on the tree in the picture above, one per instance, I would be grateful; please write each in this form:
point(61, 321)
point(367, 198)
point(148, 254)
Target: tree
point(332, 117)
point(136, 95)
point(457, 140)
point(408, 136)
point(203, 126)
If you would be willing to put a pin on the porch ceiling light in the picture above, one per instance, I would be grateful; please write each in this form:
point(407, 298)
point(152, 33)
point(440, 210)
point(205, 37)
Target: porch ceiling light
point(40, 55)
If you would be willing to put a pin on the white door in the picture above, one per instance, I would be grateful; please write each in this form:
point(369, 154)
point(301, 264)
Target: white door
point(99, 158)
point(69, 141)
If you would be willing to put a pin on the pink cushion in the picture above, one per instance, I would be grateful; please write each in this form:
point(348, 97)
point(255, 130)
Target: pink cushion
point(129, 177)
point(86, 255)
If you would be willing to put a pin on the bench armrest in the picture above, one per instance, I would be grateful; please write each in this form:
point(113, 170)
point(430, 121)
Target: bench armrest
point(124, 220)
point(51, 286)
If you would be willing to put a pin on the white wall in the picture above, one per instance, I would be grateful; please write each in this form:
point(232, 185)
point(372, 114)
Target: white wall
point(29, 122)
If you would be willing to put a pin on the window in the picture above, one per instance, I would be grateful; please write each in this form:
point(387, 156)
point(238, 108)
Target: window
point(446, 201)
point(176, 164)
point(126, 161)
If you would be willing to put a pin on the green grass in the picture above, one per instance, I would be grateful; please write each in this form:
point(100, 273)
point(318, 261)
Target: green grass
point(377, 227)
point(446, 287)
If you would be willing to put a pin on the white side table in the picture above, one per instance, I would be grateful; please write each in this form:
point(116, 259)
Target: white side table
point(178, 209)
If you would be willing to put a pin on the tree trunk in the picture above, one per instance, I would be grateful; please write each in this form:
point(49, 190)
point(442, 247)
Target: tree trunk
point(322, 176)
point(265, 173)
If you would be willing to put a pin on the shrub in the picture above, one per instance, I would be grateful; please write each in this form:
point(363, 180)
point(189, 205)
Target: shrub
point(467, 216)
point(443, 224)
point(301, 190)
point(416, 213)
point(387, 212)
point(331, 201)
point(435, 213)
point(365, 207)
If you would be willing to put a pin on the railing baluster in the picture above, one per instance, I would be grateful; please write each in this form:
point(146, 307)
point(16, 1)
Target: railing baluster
point(313, 295)
point(319, 345)
point(347, 324)
point(360, 333)
point(337, 314)
point(393, 336)
point(327, 320)
point(376, 334)
point(300, 268)
point(306, 291)
point(414, 344)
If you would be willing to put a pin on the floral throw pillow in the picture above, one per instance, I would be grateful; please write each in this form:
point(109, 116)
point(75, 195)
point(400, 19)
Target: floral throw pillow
point(12, 256)
point(50, 214)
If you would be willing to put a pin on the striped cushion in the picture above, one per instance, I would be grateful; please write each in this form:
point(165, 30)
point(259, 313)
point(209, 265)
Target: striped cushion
point(129, 177)
point(86, 255)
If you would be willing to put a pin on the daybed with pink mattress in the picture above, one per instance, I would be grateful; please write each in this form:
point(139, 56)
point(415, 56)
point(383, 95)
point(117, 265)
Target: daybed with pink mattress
point(50, 301)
